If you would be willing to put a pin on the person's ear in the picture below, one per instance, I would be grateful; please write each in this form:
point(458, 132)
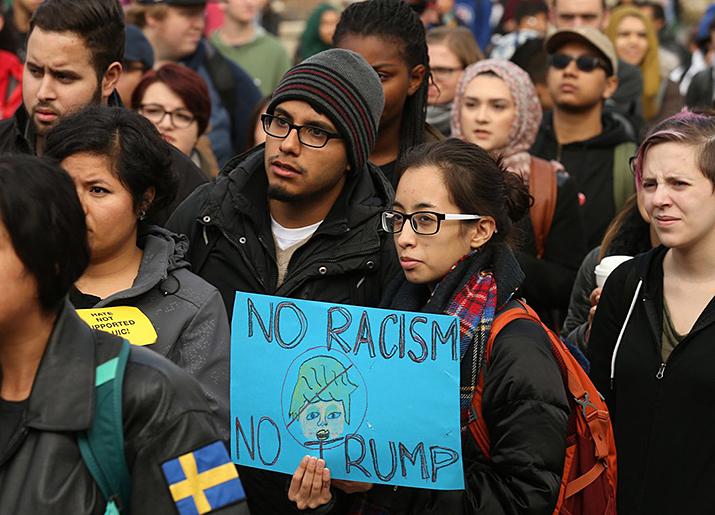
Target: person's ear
point(147, 201)
point(110, 79)
point(482, 232)
point(417, 75)
point(611, 86)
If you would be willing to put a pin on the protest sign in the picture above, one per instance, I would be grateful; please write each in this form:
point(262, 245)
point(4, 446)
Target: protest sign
point(374, 392)
point(128, 322)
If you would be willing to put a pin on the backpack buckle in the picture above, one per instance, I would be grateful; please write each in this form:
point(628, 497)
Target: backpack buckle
point(584, 402)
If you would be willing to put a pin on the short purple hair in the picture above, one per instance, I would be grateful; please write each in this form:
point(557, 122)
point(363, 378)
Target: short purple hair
point(692, 128)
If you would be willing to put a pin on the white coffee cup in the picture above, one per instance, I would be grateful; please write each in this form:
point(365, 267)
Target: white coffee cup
point(606, 266)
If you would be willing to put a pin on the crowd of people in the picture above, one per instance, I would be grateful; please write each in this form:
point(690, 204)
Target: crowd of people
point(412, 155)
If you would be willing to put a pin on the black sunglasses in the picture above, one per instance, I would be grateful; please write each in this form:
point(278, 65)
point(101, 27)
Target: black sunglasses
point(585, 63)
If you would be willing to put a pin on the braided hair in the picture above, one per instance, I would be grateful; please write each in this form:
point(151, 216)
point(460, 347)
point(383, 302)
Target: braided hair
point(396, 20)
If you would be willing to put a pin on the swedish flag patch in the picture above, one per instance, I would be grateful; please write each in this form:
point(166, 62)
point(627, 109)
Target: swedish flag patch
point(203, 480)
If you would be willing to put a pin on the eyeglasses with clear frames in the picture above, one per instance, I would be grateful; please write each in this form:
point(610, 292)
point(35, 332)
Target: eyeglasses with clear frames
point(308, 135)
point(422, 222)
point(155, 113)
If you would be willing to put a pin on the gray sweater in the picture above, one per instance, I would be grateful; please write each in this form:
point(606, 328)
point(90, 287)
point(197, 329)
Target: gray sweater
point(576, 322)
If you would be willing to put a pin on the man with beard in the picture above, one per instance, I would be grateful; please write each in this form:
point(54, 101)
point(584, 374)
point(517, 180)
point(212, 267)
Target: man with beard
point(74, 54)
point(593, 146)
point(300, 216)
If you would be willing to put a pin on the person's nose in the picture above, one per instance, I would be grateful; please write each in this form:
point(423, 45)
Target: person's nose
point(482, 113)
point(166, 123)
point(291, 143)
point(46, 91)
point(406, 237)
point(661, 196)
point(571, 69)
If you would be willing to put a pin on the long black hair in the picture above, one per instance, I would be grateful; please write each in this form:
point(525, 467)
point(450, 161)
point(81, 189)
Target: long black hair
point(396, 20)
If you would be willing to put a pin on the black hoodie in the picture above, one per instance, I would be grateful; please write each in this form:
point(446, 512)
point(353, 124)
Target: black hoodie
point(590, 163)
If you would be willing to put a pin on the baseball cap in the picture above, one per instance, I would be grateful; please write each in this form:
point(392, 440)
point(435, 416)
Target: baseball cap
point(588, 35)
point(137, 47)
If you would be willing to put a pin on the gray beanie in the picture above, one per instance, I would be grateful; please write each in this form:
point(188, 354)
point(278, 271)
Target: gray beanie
point(343, 86)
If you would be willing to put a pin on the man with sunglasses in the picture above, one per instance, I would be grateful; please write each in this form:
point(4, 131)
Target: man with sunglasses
point(626, 100)
point(591, 143)
point(299, 216)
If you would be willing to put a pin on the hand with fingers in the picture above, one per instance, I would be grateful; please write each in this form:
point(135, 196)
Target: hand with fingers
point(310, 485)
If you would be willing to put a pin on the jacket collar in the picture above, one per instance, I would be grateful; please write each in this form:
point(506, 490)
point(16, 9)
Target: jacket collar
point(649, 267)
point(245, 186)
point(25, 130)
point(163, 252)
point(24, 133)
point(497, 257)
point(62, 397)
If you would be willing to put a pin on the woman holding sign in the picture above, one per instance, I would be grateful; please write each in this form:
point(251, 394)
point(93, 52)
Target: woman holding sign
point(452, 220)
point(121, 169)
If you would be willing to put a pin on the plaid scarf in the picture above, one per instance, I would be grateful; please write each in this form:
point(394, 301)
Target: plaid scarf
point(474, 303)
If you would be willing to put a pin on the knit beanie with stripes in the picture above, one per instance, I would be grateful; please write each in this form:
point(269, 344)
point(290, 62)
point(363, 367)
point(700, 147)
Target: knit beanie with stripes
point(341, 85)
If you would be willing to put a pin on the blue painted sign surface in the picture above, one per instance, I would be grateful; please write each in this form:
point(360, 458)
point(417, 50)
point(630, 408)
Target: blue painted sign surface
point(374, 392)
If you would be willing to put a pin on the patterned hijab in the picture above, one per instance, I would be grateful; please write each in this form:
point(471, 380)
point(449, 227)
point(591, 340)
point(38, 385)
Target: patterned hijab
point(528, 111)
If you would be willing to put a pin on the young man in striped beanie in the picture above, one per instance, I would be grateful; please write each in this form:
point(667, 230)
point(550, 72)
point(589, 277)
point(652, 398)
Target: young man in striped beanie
point(299, 216)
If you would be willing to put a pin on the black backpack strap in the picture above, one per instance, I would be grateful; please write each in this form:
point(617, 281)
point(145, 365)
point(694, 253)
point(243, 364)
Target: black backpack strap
point(102, 446)
point(221, 74)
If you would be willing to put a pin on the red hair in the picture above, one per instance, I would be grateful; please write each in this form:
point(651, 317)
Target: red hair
point(186, 84)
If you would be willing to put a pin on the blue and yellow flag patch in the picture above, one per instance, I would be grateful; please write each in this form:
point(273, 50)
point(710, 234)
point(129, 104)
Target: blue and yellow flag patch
point(203, 480)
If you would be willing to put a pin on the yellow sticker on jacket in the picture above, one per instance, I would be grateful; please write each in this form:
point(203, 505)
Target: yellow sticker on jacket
point(125, 321)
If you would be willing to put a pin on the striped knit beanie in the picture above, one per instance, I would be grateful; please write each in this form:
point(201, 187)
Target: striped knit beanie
point(341, 85)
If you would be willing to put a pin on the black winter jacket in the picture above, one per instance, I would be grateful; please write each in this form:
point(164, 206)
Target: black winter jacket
point(524, 405)
point(348, 260)
point(548, 281)
point(663, 414)
point(700, 92)
point(590, 163)
point(165, 415)
point(17, 137)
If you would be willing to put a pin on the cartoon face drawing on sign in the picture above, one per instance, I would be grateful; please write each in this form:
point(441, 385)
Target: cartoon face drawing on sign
point(321, 398)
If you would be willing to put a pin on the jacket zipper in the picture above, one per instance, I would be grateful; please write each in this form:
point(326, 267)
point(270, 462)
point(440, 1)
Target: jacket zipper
point(661, 371)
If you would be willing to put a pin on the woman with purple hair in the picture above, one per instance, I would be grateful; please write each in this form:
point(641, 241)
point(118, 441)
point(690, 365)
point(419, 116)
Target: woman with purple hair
point(652, 342)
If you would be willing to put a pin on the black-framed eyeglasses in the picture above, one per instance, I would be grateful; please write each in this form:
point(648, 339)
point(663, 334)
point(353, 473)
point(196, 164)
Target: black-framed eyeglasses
point(155, 113)
point(422, 222)
point(585, 63)
point(308, 135)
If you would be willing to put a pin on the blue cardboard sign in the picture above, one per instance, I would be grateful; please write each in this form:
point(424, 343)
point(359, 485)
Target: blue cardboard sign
point(373, 392)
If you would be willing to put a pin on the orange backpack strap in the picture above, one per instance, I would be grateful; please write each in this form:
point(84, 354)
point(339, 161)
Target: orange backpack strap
point(543, 188)
point(478, 426)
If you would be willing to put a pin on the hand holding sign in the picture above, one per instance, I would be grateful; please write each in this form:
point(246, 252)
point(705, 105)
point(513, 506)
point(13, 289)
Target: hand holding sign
point(310, 484)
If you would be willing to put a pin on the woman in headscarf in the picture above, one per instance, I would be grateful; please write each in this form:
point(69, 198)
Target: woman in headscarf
point(318, 33)
point(496, 107)
point(636, 42)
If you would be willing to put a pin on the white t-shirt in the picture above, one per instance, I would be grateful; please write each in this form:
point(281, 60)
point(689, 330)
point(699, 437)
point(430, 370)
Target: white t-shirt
point(286, 238)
